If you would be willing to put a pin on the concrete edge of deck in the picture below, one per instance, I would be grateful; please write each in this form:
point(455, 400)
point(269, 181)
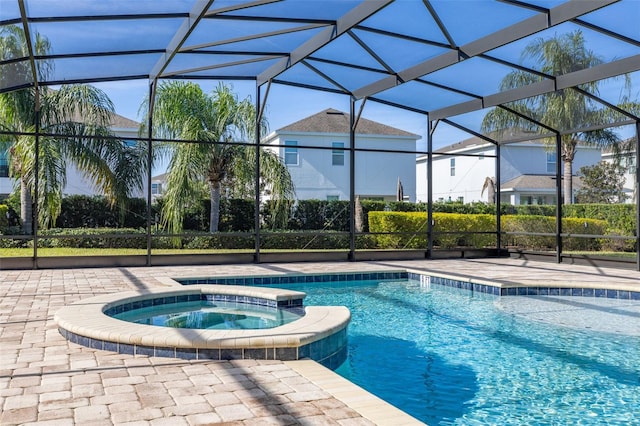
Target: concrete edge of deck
point(364, 403)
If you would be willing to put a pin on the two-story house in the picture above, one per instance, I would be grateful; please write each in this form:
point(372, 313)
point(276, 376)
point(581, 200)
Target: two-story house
point(76, 184)
point(527, 171)
point(627, 160)
point(316, 152)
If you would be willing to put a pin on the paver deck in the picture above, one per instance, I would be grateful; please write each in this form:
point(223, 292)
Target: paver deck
point(44, 379)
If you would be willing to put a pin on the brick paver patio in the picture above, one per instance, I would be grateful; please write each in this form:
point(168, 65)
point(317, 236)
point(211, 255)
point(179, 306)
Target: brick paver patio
point(44, 379)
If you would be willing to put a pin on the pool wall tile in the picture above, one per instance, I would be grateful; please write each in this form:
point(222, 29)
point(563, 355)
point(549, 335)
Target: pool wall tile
point(286, 354)
point(229, 354)
point(187, 353)
point(209, 354)
point(255, 353)
point(123, 348)
point(165, 352)
point(145, 350)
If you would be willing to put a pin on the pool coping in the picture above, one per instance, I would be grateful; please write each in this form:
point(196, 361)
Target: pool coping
point(568, 288)
point(85, 322)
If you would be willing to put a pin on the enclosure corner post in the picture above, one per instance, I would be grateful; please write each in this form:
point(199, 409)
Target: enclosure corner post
point(429, 189)
point(559, 198)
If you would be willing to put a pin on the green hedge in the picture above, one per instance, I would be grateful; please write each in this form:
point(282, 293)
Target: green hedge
point(449, 229)
point(94, 238)
point(546, 224)
point(4, 221)
point(478, 230)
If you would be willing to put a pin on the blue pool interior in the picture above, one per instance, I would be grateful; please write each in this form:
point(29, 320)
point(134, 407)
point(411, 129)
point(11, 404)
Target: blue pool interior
point(211, 315)
point(449, 355)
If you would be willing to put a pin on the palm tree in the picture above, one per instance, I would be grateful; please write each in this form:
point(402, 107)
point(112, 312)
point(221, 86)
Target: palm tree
point(490, 186)
point(73, 125)
point(563, 109)
point(215, 123)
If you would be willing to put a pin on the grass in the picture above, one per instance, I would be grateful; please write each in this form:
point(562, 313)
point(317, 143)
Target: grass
point(65, 251)
point(69, 252)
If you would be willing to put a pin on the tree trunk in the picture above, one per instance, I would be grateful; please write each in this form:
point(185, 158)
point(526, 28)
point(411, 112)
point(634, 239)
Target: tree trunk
point(568, 182)
point(358, 215)
point(214, 217)
point(26, 208)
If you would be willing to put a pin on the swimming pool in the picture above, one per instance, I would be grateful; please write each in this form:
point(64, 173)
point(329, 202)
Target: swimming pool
point(209, 315)
point(451, 356)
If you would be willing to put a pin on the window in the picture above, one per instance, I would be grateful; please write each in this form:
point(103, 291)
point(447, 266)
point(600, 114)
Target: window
point(630, 164)
point(291, 153)
point(4, 165)
point(337, 155)
point(551, 162)
point(333, 197)
point(453, 166)
point(156, 188)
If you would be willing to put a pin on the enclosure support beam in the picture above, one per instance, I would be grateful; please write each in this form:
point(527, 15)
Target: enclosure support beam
point(636, 191)
point(430, 131)
point(497, 202)
point(149, 165)
point(559, 198)
point(36, 184)
point(352, 179)
point(342, 25)
point(256, 212)
point(188, 25)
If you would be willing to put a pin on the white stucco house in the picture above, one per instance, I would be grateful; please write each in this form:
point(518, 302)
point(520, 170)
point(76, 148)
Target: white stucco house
point(316, 152)
point(77, 184)
point(527, 171)
point(628, 161)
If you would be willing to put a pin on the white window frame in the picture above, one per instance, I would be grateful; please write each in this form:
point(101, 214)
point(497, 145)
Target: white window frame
point(337, 154)
point(290, 150)
point(552, 159)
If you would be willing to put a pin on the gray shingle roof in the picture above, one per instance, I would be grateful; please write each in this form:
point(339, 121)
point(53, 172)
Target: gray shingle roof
point(121, 122)
point(334, 121)
point(537, 182)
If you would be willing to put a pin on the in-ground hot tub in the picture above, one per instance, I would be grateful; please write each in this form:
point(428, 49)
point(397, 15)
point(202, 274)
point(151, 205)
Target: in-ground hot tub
point(320, 333)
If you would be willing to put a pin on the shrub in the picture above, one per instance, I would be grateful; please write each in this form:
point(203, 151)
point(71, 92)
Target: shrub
point(327, 240)
point(4, 217)
point(217, 241)
point(409, 230)
point(82, 211)
point(94, 238)
point(547, 225)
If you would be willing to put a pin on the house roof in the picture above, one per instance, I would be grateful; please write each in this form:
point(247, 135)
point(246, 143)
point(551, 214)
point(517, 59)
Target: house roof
point(512, 134)
point(121, 122)
point(333, 121)
point(537, 182)
point(511, 137)
point(628, 147)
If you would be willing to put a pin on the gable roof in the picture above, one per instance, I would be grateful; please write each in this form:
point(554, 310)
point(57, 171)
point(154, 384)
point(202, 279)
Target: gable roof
point(524, 182)
point(121, 122)
point(333, 121)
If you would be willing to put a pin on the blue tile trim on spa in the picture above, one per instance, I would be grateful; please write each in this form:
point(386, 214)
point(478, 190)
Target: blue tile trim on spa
point(230, 298)
point(330, 351)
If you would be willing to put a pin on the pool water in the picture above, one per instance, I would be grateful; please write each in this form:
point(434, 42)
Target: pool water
point(449, 356)
point(209, 315)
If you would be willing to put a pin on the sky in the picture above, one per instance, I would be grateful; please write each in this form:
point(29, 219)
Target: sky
point(286, 104)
